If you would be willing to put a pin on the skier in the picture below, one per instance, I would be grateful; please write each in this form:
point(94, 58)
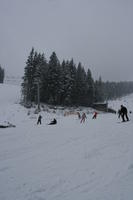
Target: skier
point(79, 116)
point(54, 121)
point(123, 113)
point(119, 113)
point(95, 115)
point(83, 118)
point(39, 119)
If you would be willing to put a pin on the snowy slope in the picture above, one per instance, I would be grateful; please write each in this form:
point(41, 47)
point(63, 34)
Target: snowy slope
point(9, 98)
point(9, 94)
point(90, 161)
point(126, 101)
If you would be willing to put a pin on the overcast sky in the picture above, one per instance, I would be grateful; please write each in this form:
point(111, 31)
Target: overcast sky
point(97, 33)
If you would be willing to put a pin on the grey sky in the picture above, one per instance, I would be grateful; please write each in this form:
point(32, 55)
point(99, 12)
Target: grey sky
point(99, 33)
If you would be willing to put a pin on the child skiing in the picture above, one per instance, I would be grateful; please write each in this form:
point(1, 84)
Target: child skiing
point(95, 115)
point(83, 118)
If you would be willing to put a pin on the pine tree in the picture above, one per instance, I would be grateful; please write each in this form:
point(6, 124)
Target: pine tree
point(99, 92)
point(80, 92)
point(42, 73)
point(53, 79)
point(90, 88)
point(27, 85)
point(70, 82)
point(34, 69)
point(65, 78)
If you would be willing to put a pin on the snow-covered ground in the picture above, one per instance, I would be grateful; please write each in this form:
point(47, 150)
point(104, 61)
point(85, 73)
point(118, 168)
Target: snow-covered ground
point(67, 161)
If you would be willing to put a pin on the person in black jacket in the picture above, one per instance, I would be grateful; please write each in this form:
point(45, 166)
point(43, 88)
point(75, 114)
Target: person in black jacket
point(54, 121)
point(39, 121)
point(123, 113)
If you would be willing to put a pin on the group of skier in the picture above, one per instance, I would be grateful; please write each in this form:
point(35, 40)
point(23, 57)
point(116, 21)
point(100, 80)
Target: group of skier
point(122, 112)
point(83, 117)
point(39, 121)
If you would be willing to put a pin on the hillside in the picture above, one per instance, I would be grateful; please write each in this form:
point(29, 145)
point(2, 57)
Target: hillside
point(90, 161)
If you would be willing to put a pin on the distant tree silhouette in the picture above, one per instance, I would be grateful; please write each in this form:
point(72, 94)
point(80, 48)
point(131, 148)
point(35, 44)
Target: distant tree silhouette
point(2, 74)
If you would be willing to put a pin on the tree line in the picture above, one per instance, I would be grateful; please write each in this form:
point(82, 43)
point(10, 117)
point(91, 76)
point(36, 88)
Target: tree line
point(2, 74)
point(64, 83)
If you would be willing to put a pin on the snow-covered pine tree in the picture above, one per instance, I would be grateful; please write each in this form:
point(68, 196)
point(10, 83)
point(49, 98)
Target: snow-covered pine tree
point(53, 79)
point(27, 85)
point(99, 92)
point(90, 88)
point(80, 91)
point(69, 82)
point(32, 76)
point(65, 83)
point(40, 66)
point(42, 72)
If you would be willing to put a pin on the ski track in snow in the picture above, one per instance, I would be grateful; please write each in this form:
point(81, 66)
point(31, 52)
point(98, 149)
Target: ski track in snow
point(90, 161)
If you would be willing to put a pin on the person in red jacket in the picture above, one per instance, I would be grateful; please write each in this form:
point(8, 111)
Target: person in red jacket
point(95, 115)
